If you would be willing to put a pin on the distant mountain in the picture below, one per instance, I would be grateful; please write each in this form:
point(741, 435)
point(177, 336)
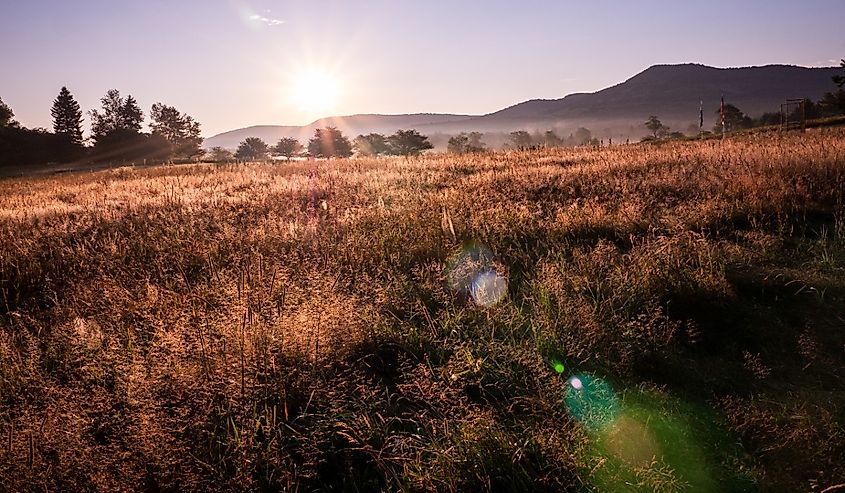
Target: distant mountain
point(672, 92)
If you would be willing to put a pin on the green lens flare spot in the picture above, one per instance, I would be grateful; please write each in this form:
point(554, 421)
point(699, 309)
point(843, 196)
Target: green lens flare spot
point(557, 365)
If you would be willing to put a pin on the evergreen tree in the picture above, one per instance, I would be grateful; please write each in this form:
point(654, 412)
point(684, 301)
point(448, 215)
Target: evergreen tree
point(6, 115)
point(131, 115)
point(67, 117)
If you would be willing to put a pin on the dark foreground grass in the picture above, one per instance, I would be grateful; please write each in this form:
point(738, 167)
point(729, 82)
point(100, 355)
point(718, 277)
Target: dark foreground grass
point(637, 318)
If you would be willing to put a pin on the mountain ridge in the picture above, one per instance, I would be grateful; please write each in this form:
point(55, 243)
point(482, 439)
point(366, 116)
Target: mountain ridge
point(673, 92)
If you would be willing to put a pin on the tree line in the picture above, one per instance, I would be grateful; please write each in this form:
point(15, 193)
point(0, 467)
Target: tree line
point(328, 142)
point(116, 134)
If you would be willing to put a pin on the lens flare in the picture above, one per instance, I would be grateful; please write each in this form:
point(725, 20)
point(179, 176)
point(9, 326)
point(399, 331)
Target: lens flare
point(591, 401)
point(489, 288)
point(472, 273)
point(557, 365)
point(648, 439)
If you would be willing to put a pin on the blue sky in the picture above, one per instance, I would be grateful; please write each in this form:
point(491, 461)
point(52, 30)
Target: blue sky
point(233, 63)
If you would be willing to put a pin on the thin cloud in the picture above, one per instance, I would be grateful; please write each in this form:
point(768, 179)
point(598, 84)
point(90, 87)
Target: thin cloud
point(266, 20)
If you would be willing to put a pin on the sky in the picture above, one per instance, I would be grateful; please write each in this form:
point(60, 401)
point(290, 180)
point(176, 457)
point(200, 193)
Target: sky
point(235, 63)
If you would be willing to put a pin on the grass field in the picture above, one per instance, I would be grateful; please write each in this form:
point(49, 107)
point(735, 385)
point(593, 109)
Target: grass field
point(635, 318)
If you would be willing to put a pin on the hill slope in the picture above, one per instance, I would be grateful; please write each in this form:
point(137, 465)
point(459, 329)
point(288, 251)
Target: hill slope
point(672, 92)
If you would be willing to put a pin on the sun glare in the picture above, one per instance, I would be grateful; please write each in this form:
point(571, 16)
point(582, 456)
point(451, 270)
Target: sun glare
point(314, 91)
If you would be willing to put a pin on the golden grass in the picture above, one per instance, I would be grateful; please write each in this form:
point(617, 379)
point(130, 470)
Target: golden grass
point(267, 326)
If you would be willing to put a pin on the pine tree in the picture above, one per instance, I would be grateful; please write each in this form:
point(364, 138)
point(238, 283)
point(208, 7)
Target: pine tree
point(6, 115)
point(67, 117)
point(131, 115)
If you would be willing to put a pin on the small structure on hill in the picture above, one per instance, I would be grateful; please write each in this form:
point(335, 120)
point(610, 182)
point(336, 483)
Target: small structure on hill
point(793, 114)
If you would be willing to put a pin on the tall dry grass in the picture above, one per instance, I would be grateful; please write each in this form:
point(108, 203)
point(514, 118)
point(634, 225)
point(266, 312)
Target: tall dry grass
point(263, 326)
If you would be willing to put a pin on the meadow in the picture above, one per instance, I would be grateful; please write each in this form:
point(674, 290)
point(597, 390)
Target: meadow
point(635, 318)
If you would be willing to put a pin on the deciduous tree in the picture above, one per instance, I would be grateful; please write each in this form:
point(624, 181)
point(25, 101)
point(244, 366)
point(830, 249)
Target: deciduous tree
point(464, 143)
point(656, 127)
point(329, 142)
point(735, 119)
point(179, 129)
point(408, 143)
point(251, 149)
point(287, 147)
point(371, 144)
point(220, 155)
point(520, 139)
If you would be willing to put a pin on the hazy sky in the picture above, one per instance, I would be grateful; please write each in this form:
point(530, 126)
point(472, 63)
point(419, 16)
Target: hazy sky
point(236, 63)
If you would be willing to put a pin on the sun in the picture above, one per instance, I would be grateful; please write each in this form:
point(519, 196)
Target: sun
point(314, 91)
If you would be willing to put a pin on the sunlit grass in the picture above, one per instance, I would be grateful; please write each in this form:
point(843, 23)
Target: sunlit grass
point(419, 324)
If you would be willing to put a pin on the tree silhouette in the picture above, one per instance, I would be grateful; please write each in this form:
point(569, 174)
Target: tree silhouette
point(371, 144)
point(6, 115)
point(833, 103)
point(582, 136)
point(287, 147)
point(179, 129)
point(475, 143)
point(67, 117)
point(464, 143)
point(220, 155)
point(520, 139)
point(119, 119)
point(131, 114)
point(329, 142)
point(735, 119)
point(656, 127)
point(116, 131)
point(839, 80)
point(551, 139)
point(251, 149)
point(408, 143)
point(458, 143)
